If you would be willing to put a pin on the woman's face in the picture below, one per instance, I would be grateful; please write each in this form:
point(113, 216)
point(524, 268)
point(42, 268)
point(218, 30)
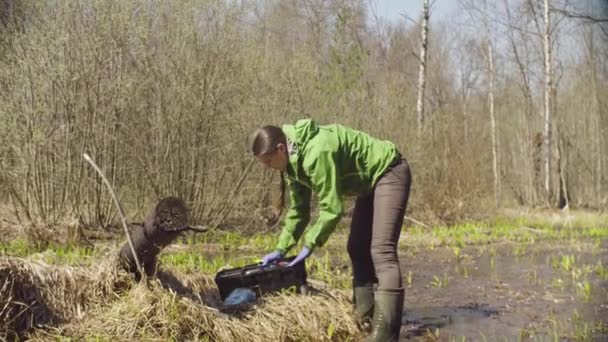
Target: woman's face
point(277, 159)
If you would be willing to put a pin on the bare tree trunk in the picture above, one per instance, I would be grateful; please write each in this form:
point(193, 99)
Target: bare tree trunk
point(493, 131)
point(493, 124)
point(465, 122)
point(423, 58)
point(600, 152)
point(597, 118)
point(564, 197)
point(547, 114)
point(529, 174)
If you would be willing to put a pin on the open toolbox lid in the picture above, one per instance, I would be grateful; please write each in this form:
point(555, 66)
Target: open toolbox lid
point(262, 279)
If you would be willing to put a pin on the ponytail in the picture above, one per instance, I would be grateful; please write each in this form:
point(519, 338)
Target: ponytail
point(263, 141)
point(279, 204)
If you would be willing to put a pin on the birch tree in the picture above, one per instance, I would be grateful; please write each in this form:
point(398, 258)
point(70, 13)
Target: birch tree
point(423, 60)
point(493, 132)
point(482, 14)
point(597, 115)
point(519, 46)
point(547, 99)
point(594, 17)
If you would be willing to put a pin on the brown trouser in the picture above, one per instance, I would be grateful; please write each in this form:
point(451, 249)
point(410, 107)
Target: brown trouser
point(376, 226)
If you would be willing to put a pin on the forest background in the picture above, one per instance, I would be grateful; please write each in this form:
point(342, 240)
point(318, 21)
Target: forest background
point(497, 104)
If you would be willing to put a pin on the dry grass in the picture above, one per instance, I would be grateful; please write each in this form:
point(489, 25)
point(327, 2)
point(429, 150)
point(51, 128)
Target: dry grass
point(47, 302)
point(36, 294)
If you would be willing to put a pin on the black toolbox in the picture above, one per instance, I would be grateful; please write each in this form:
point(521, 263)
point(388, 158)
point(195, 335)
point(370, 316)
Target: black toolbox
point(262, 279)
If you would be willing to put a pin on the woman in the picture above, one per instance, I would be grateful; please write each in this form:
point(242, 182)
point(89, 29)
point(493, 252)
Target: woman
point(334, 161)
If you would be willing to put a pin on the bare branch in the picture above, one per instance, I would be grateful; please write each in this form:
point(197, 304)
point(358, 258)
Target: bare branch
point(123, 217)
point(575, 15)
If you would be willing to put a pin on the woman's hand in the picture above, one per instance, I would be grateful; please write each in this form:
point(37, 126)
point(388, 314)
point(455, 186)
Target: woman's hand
point(304, 253)
point(270, 257)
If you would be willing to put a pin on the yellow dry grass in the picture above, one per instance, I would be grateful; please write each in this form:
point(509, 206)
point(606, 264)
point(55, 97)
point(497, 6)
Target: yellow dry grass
point(42, 302)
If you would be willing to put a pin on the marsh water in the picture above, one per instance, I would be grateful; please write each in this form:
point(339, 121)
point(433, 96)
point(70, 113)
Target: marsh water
point(507, 292)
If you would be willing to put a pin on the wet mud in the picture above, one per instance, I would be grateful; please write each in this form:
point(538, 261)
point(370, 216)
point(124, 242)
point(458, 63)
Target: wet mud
point(506, 292)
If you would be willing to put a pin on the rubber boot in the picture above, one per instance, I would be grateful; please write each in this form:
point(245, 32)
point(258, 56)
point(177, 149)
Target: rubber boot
point(388, 309)
point(364, 306)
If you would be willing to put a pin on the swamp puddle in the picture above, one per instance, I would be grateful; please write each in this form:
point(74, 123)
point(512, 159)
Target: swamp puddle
point(503, 292)
point(506, 292)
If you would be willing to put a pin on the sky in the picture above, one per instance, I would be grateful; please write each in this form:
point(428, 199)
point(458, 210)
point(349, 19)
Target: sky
point(393, 10)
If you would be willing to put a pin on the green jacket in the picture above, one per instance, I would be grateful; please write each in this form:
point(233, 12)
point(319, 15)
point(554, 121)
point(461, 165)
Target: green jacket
point(332, 161)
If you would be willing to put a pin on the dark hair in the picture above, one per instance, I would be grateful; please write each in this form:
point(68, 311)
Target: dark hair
point(264, 141)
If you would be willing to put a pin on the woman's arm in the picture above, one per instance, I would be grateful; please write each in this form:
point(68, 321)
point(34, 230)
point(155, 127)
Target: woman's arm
point(324, 174)
point(297, 216)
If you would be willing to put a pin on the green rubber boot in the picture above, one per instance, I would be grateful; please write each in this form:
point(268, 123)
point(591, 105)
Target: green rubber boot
point(364, 306)
point(387, 315)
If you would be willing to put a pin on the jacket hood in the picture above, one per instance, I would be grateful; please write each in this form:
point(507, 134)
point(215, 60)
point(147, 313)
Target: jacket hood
point(301, 132)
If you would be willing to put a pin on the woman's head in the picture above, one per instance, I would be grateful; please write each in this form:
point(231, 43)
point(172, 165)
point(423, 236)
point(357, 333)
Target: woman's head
point(269, 146)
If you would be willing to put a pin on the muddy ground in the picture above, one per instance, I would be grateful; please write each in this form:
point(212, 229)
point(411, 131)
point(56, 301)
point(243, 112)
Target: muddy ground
point(541, 288)
point(506, 292)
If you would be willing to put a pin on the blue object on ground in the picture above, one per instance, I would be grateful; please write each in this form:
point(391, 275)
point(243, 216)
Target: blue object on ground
point(240, 296)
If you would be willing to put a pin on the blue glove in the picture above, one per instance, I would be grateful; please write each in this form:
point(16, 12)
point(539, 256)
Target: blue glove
point(304, 253)
point(270, 257)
